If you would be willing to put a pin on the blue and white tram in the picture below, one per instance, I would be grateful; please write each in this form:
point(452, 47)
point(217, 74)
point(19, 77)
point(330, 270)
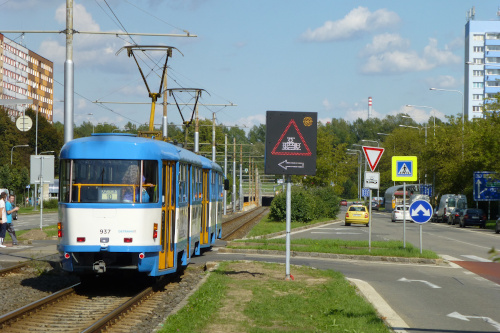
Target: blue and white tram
point(134, 203)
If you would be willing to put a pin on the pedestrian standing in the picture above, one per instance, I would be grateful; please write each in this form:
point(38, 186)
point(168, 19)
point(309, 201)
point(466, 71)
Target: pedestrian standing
point(10, 207)
point(3, 214)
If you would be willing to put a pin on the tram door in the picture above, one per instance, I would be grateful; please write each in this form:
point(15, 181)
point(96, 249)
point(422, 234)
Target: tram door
point(168, 216)
point(205, 213)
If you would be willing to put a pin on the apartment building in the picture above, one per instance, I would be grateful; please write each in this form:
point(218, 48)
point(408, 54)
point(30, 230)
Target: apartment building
point(482, 64)
point(25, 74)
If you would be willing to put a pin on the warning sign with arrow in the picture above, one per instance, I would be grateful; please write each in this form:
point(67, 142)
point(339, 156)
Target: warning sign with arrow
point(291, 143)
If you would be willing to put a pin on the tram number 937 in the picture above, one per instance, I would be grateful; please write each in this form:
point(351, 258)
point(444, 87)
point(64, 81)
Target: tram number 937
point(105, 231)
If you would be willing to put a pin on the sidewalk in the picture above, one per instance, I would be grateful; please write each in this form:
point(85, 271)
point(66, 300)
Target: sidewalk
point(27, 250)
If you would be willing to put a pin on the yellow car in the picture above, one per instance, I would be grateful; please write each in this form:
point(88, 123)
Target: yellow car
point(357, 214)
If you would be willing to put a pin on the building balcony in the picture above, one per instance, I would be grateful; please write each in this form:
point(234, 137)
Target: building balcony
point(492, 78)
point(492, 42)
point(495, 54)
point(492, 90)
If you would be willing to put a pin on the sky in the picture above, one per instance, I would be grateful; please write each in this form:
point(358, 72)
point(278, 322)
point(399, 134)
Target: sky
point(281, 55)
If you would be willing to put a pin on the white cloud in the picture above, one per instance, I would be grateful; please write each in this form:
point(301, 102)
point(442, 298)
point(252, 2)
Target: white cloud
point(443, 81)
point(326, 104)
point(386, 42)
point(389, 53)
point(248, 122)
point(90, 51)
point(420, 115)
point(357, 22)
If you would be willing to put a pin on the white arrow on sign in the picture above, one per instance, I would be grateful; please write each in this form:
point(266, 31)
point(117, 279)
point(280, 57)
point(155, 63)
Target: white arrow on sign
point(432, 285)
point(466, 318)
point(285, 164)
point(478, 183)
point(421, 208)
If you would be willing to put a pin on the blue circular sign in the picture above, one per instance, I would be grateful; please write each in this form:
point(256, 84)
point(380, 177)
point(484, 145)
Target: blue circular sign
point(420, 211)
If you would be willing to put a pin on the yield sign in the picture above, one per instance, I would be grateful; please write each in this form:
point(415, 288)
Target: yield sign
point(373, 155)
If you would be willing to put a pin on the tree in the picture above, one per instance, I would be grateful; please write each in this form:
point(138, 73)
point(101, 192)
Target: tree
point(257, 134)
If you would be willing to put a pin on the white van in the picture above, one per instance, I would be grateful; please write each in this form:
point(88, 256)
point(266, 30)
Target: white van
point(446, 204)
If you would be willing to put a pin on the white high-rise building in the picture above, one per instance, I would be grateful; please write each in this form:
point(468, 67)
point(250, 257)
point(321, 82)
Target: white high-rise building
point(482, 64)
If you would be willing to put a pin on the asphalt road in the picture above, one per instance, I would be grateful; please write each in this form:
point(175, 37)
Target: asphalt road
point(428, 298)
point(32, 221)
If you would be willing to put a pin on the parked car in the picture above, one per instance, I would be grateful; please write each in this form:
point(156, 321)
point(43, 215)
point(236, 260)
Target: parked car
point(375, 205)
point(343, 202)
point(357, 214)
point(497, 226)
point(455, 214)
point(472, 216)
point(397, 213)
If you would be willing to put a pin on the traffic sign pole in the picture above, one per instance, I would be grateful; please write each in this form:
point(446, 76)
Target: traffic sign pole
point(420, 212)
point(288, 224)
point(404, 215)
point(370, 224)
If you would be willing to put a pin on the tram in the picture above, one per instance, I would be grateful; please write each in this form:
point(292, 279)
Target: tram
point(135, 203)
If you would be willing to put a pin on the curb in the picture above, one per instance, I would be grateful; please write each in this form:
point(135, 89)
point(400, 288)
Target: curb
point(424, 261)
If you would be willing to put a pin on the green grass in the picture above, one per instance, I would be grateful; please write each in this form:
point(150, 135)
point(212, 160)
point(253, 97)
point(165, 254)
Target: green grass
point(51, 231)
point(267, 226)
point(338, 246)
point(30, 211)
point(317, 301)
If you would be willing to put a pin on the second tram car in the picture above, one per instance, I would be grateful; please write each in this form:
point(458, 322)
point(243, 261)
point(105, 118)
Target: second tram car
point(133, 203)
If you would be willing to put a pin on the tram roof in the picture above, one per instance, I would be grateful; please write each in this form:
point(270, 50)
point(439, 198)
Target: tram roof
point(125, 146)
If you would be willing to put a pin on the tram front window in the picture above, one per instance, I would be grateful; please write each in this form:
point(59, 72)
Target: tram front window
point(109, 181)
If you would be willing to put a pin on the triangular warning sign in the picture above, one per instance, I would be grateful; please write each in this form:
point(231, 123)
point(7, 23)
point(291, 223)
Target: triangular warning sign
point(373, 155)
point(291, 142)
point(404, 170)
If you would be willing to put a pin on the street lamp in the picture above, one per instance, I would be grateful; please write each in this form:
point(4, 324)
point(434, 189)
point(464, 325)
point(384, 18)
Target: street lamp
point(12, 150)
point(427, 107)
point(93, 129)
point(394, 141)
point(463, 115)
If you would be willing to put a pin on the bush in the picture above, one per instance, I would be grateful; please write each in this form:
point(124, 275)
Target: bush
point(52, 203)
point(327, 202)
point(307, 204)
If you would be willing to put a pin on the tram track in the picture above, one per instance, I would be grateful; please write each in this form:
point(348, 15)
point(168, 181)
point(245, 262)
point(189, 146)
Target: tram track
point(107, 307)
point(241, 224)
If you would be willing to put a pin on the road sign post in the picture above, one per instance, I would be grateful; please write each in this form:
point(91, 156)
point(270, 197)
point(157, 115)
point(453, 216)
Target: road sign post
point(404, 168)
point(420, 212)
point(290, 150)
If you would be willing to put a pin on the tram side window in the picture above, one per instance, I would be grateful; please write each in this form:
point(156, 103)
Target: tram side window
point(183, 183)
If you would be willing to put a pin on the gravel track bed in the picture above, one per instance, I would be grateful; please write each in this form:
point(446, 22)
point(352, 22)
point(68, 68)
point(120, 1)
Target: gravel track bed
point(28, 284)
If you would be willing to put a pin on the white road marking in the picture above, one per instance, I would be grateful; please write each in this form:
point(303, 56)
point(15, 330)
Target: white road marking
point(384, 309)
point(476, 258)
point(432, 285)
point(490, 321)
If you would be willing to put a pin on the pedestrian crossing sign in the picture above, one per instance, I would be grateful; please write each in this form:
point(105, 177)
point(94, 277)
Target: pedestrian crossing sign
point(404, 168)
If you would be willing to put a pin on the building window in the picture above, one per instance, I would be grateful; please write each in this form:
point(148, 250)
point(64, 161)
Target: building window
point(476, 108)
point(493, 84)
point(478, 49)
point(478, 61)
point(478, 37)
point(492, 35)
point(492, 71)
point(492, 60)
point(477, 85)
point(493, 48)
point(477, 97)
